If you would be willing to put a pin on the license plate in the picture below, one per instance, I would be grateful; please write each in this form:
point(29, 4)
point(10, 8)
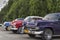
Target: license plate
point(26, 31)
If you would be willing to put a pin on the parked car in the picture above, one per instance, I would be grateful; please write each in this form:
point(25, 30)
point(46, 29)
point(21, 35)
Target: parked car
point(30, 21)
point(7, 25)
point(17, 25)
point(46, 28)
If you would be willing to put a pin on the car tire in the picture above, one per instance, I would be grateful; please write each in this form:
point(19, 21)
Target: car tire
point(6, 28)
point(14, 31)
point(19, 31)
point(47, 34)
point(31, 35)
point(9, 28)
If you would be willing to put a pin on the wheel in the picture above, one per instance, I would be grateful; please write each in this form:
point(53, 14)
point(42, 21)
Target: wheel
point(47, 34)
point(14, 31)
point(31, 35)
point(20, 30)
point(6, 28)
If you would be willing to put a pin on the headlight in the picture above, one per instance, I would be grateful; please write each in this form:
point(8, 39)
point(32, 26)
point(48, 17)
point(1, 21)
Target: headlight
point(14, 23)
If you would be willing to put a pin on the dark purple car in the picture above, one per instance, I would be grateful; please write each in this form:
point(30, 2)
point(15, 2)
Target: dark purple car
point(46, 28)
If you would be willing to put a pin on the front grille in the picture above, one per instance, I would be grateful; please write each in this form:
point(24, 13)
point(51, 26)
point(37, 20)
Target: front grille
point(32, 28)
point(13, 26)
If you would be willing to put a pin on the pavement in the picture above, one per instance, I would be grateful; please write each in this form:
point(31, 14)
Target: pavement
point(8, 35)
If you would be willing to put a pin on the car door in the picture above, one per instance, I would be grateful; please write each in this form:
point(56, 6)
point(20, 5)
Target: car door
point(57, 26)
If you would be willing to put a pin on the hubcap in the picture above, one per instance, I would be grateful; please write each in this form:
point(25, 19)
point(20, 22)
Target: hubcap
point(21, 30)
point(48, 34)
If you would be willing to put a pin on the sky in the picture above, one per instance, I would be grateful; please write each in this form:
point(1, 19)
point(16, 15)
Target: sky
point(3, 3)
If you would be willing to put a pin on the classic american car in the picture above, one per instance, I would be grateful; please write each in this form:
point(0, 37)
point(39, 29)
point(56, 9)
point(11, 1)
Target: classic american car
point(17, 25)
point(30, 21)
point(48, 27)
point(7, 25)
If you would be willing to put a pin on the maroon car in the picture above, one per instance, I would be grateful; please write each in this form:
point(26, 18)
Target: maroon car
point(17, 25)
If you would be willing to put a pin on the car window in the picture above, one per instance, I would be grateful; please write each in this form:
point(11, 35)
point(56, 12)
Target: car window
point(59, 19)
point(27, 19)
point(52, 17)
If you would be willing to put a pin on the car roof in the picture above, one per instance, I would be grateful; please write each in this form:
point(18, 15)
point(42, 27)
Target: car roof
point(54, 13)
point(35, 17)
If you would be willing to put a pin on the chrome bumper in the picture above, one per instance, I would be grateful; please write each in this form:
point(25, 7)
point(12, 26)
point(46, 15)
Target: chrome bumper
point(14, 28)
point(36, 32)
point(33, 32)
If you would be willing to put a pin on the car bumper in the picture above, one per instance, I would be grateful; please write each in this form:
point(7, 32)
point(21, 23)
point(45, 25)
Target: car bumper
point(36, 32)
point(14, 28)
point(33, 32)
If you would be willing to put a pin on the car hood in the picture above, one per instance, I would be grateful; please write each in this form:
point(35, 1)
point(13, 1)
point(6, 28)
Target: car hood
point(42, 22)
point(17, 22)
point(46, 21)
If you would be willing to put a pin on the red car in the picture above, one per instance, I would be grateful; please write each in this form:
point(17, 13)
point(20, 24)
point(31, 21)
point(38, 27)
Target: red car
point(17, 25)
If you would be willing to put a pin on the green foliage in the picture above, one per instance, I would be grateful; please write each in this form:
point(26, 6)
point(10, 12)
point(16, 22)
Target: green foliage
point(23, 8)
point(5, 10)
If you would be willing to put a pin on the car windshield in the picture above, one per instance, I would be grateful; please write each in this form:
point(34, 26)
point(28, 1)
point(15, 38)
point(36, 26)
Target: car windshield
point(51, 17)
point(27, 19)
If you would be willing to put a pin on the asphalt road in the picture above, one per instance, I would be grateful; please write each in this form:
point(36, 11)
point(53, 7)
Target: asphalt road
point(8, 35)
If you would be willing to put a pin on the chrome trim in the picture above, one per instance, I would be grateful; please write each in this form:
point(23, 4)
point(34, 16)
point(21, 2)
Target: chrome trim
point(14, 28)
